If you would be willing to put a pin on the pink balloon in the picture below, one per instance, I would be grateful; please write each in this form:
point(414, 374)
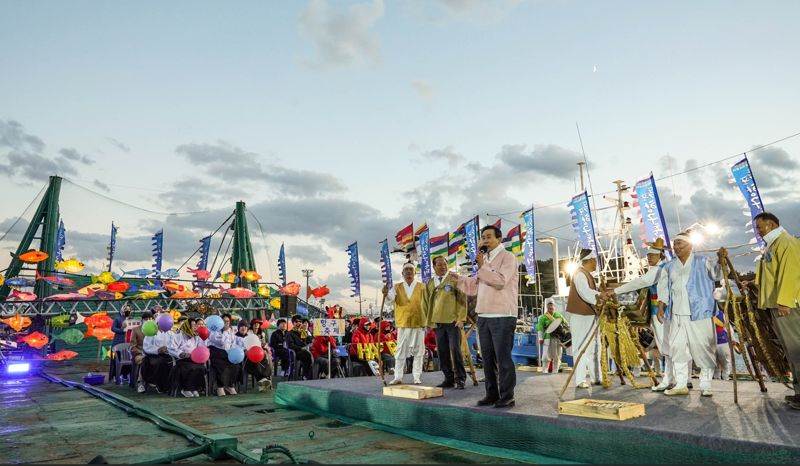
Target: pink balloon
point(200, 355)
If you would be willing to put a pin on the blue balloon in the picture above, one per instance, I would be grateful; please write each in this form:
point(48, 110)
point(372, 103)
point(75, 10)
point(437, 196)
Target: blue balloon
point(214, 323)
point(235, 355)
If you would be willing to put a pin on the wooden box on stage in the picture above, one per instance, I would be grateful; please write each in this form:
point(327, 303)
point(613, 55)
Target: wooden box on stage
point(529, 368)
point(414, 392)
point(601, 409)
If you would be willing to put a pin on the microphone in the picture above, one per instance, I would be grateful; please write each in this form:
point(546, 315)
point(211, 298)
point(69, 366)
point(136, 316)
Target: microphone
point(484, 249)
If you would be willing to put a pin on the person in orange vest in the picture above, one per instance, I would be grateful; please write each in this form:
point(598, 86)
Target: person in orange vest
point(407, 299)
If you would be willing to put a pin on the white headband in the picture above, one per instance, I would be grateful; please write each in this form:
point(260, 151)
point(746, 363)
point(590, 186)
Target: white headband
point(654, 251)
point(409, 265)
point(589, 256)
point(682, 237)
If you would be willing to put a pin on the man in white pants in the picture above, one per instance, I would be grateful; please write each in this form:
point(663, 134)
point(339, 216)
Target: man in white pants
point(687, 290)
point(580, 306)
point(408, 318)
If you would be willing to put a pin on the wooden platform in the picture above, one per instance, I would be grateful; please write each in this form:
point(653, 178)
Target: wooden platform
point(601, 409)
point(413, 392)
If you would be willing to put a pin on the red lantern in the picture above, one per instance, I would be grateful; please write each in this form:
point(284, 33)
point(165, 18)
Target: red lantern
point(202, 332)
point(255, 354)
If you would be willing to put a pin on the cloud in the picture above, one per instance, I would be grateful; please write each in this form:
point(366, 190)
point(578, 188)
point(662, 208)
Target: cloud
point(13, 135)
point(447, 154)
point(480, 11)
point(75, 156)
point(225, 161)
point(343, 39)
point(423, 88)
point(308, 254)
point(101, 185)
point(773, 168)
point(549, 160)
point(34, 167)
point(118, 144)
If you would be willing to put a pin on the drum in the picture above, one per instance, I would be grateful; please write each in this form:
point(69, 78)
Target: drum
point(647, 338)
point(559, 332)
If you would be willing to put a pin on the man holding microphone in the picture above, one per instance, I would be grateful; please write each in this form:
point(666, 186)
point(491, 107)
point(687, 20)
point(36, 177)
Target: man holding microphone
point(496, 285)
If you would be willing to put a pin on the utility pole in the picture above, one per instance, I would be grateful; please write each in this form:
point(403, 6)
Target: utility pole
point(580, 167)
point(307, 273)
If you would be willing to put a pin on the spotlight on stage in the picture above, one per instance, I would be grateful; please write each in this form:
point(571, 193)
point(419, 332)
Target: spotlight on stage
point(18, 368)
point(696, 238)
point(571, 268)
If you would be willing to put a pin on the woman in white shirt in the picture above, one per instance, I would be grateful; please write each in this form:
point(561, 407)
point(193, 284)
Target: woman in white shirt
point(190, 376)
point(225, 373)
point(260, 371)
point(157, 362)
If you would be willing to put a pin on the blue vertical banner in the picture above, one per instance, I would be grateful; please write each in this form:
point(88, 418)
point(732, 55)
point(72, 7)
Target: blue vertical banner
point(112, 245)
point(353, 270)
point(158, 250)
point(386, 264)
point(282, 266)
point(61, 241)
point(205, 246)
point(529, 253)
point(653, 220)
point(582, 221)
point(747, 185)
point(471, 232)
point(425, 254)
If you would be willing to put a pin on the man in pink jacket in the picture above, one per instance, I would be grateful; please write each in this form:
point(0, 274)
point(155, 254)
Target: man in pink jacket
point(496, 286)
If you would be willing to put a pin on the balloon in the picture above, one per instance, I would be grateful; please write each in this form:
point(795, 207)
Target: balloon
point(255, 354)
point(200, 354)
point(165, 322)
point(149, 328)
point(214, 323)
point(202, 332)
point(251, 341)
point(235, 355)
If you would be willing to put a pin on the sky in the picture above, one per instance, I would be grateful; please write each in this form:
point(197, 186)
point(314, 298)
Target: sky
point(343, 121)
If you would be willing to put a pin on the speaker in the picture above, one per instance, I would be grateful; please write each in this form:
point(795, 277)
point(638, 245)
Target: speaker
point(288, 306)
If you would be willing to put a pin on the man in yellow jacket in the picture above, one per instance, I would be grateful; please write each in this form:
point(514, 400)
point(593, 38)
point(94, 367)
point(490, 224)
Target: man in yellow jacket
point(410, 323)
point(445, 309)
point(778, 282)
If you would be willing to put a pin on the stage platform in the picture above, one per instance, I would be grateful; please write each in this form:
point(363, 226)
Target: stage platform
point(685, 429)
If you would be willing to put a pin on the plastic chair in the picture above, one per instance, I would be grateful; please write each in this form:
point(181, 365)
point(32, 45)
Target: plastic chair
point(122, 358)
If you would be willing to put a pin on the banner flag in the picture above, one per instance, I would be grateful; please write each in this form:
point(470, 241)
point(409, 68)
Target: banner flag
point(747, 185)
point(653, 220)
point(353, 270)
point(582, 222)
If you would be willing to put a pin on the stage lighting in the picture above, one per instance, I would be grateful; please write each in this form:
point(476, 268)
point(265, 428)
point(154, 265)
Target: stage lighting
point(18, 368)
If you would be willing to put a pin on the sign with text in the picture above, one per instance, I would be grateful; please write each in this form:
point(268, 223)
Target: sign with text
point(328, 327)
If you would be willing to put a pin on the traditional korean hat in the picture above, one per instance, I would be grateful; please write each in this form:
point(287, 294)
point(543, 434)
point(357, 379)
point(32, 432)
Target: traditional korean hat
point(657, 247)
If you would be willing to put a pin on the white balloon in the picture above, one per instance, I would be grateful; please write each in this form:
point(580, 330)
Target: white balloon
point(251, 341)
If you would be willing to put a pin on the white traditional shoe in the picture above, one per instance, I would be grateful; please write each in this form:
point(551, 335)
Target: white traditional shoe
point(396, 382)
point(660, 387)
point(582, 385)
point(187, 393)
point(706, 393)
point(417, 382)
point(140, 388)
point(220, 391)
point(230, 390)
point(195, 393)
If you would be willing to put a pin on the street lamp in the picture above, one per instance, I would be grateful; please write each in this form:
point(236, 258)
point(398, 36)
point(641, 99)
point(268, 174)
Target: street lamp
point(307, 273)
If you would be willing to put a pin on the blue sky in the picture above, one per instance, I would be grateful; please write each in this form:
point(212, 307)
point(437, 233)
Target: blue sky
point(349, 120)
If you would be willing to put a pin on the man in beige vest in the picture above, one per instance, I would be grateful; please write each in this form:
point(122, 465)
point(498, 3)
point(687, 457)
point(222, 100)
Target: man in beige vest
point(778, 282)
point(445, 309)
point(410, 322)
point(580, 308)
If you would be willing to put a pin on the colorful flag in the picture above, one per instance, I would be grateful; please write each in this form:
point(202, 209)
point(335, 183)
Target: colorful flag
point(282, 265)
point(439, 245)
point(61, 241)
point(747, 185)
point(455, 245)
point(471, 234)
point(529, 255)
point(405, 237)
point(425, 254)
point(498, 224)
point(158, 250)
point(513, 241)
point(112, 245)
point(386, 264)
point(353, 270)
point(653, 221)
point(582, 221)
point(205, 246)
